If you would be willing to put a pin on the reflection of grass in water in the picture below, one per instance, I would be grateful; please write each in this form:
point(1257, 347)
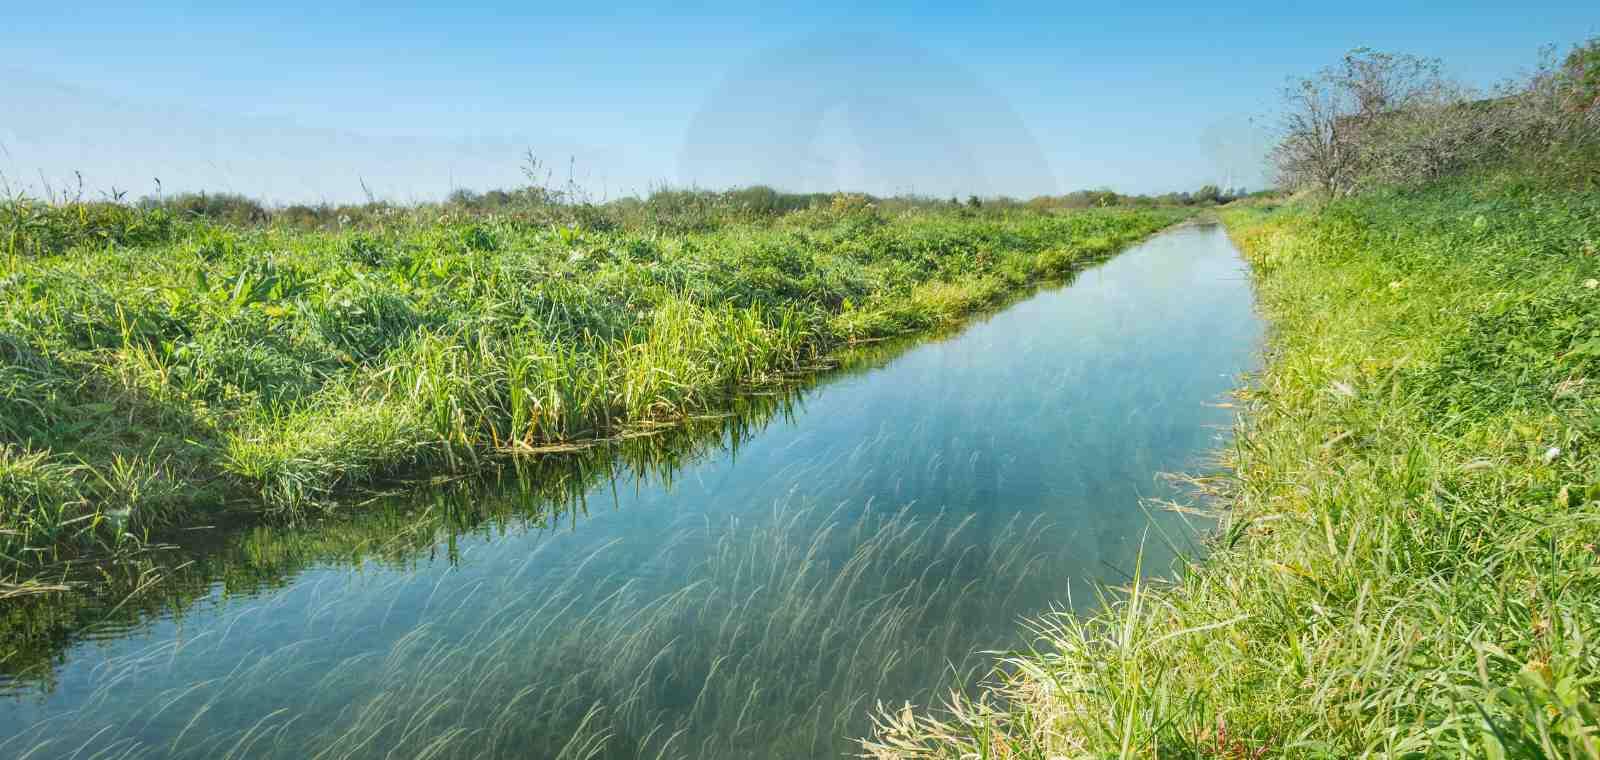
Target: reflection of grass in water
point(150, 378)
point(793, 626)
point(247, 555)
point(252, 556)
point(367, 693)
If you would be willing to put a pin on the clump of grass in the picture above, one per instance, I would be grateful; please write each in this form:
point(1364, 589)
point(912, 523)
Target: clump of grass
point(1408, 563)
point(162, 363)
point(40, 504)
point(33, 228)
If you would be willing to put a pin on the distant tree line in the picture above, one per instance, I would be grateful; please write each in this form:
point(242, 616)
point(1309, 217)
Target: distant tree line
point(1207, 195)
point(544, 200)
point(664, 207)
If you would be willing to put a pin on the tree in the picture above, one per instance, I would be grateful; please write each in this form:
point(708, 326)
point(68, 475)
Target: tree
point(1331, 120)
point(1581, 75)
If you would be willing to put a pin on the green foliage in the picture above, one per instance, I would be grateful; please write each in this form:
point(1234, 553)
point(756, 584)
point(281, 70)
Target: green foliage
point(1406, 564)
point(229, 208)
point(1582, 70)
point(1205, 196)
point(40, 504)
point(33, 228)
point(151, 374)
point(1381, 119)
point(1522, 351)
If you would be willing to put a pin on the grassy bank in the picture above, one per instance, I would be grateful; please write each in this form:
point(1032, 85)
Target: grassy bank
point(1408, 561)
point(155, 367)
point(245, 557)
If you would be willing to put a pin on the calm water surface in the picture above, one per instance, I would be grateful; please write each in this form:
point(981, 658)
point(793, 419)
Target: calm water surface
point(858, 544)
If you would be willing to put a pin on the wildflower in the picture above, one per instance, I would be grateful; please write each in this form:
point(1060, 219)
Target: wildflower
point(1591, 283)
point(1551, 454)
point(1396, 285)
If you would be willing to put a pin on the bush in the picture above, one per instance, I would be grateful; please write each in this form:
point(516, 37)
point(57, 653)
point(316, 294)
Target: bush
point(34, 228)
point(1387, 119)
point(218, 207)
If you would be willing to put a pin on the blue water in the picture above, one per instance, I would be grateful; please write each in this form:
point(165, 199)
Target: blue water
point(872, 544)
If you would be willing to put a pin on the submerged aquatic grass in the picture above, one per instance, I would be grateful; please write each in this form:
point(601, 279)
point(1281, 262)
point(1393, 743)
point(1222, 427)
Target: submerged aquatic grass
point(793, 622)
point(155, 367)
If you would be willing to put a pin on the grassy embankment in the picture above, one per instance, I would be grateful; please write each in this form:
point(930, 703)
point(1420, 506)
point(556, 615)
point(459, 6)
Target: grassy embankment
point(1408, 563)
point(155, 367)
point(393, 530)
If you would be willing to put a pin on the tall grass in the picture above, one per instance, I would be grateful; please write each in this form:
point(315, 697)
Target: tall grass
point(245, 555)
point(157, 366)
point(1408, 563)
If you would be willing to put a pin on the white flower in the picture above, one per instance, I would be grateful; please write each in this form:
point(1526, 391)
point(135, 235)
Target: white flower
point(1551, 454)
point(1591, 283)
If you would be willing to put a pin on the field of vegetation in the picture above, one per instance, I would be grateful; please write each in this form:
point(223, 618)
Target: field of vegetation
point(158, 365)
point(1408, 565)
point(1408, 560)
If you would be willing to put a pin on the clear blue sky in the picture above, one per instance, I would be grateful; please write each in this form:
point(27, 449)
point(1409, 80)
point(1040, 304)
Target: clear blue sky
point(302, 101)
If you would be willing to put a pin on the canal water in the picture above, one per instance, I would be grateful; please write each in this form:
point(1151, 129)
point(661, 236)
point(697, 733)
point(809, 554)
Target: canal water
point(752, 586)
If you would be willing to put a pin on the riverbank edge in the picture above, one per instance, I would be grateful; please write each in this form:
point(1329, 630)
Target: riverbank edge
point(961, 303)
point(1403, 565)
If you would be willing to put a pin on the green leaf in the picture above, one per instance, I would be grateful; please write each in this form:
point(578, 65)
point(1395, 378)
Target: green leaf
point(1590, 347)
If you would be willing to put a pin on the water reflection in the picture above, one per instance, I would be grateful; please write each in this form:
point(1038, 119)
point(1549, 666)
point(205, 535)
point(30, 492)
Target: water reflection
point(240, 556)
point(741, 587)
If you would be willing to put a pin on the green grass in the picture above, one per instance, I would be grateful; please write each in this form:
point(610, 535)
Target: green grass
point(156, 367)
point(1407, 565)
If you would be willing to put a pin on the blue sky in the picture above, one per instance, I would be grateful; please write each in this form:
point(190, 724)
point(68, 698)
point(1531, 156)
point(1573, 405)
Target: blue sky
point(305, 101)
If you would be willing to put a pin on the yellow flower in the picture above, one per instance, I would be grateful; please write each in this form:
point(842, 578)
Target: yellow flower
point(1591, 283)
